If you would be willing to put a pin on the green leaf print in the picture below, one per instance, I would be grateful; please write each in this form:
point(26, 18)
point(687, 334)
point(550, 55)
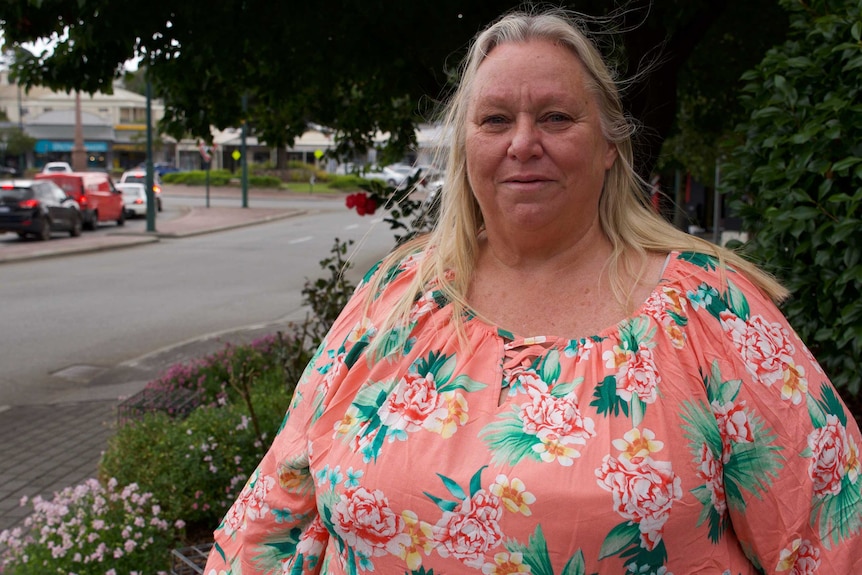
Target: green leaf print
point(754, 465)
point(453, 487)
point(815, 411)
point(636, 332)
point(395, 340)
point(575, 565)
point(444, 504)
point(508, 440)
point(370, 273)
point(839, 515)
point(717, 389)
point(535, 555)
point(564, 389)
point(831, 405)
point(476, 481)
point(549, 370)
point(606, 399)
point(355, 352)
point(621, 537)
point(701, 428)
point(736, 301)
point(420, 571)
point(461, 382)
point(704, 261)
point(439, 364)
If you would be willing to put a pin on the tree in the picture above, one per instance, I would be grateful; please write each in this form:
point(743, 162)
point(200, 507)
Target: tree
point(353, 65)
point(797, 178)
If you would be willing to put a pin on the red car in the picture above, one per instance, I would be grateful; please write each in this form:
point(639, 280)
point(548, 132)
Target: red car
point(95, 192)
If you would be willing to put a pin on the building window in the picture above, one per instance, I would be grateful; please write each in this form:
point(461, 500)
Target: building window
point(133, 115)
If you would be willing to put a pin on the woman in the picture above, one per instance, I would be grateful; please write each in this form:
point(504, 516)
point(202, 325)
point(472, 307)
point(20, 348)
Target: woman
point(554, 380)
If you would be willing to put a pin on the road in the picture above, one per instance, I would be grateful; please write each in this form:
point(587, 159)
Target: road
point(67, 320)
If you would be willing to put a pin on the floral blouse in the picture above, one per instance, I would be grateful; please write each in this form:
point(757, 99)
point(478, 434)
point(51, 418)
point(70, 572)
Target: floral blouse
point(698, 435)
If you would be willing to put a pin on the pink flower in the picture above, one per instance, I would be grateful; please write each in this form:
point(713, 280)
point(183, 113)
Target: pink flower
point(556, 418)
point(643, 492)
point(710, 470)
point(733, 425)
point(765, 347)
point(637, 375)
point(414, 399)
point(830, 454)
point(365, 521)
point(470, 531)
point(313, 540)
point(802, 558)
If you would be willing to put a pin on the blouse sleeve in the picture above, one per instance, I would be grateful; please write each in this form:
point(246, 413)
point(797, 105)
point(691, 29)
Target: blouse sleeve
point(273, 526)
point(789, 446)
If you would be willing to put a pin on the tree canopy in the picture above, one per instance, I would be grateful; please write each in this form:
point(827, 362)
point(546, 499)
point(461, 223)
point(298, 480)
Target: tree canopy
point(360, 66)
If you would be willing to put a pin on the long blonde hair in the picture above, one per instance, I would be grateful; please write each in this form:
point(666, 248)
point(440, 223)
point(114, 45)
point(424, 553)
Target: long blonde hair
point(630, 223)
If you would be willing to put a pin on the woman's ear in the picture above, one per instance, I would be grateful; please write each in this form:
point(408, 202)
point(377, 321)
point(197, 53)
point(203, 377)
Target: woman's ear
point(610, 155)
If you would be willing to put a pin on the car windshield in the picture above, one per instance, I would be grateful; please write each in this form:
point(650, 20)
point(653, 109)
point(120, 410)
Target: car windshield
point(135, 179)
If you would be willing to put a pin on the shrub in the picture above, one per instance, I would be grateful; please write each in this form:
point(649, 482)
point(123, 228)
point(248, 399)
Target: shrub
point(262, 181)
point(91, 529)
point(348, 182)
point(198, 465)
point(198, 178)
point(797, 178)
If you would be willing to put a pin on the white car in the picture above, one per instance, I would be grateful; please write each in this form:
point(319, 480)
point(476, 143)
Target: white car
point(134, 199)
point(390, 177)
point(57, 167)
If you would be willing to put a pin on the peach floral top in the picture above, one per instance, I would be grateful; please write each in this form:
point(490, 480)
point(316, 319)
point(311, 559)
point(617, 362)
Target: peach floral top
point(698, 435)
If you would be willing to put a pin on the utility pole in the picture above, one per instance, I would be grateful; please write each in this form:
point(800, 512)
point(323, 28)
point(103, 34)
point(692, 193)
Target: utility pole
point(79, 152)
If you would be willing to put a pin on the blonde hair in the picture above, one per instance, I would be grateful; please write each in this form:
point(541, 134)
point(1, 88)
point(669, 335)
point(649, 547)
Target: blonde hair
point(630, 223)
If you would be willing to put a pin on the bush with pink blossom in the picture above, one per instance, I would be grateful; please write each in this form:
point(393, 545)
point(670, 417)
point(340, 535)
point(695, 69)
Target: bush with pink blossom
point(92, 528)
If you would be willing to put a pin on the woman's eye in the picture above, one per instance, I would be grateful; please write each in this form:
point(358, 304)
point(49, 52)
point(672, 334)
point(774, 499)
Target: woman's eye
point(557, 118)
point(493, 120)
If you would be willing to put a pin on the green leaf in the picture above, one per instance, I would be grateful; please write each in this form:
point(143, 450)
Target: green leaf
point(620, 538)
point(476, 481)
point(453, 487)
point(606, 400)
point(575, 565)
point(846, 163)
point(444, 504)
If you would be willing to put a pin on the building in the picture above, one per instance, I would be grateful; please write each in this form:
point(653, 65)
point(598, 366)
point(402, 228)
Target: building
point(114, 125)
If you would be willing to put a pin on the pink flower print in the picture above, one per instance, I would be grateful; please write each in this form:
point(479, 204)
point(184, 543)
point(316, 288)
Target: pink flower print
point(765, 347)
point(660, 305)
point(733, 425)
point(637, 375)
point(830, 457)
point(643, 492)
point(556, 419)
point(249, 505)
point(423, 306)
point(412, 401)
point(365, 521)
point(801, 558)
point(710, 470)
point(313, 539)
point(470, 531)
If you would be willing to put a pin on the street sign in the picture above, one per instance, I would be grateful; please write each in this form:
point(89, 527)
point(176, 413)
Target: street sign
point(318, 154)
point(236, 155)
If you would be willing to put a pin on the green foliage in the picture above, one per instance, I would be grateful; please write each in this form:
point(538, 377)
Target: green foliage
point(196, 466)
point(797, 178)
point(328, 295)
point(260, 181)
point(348, 182)
point(198, 177)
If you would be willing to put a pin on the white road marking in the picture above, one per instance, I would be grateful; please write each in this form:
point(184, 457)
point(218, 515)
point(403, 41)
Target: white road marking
point(301, 240)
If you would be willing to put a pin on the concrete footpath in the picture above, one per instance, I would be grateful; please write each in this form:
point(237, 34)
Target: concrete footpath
point(45, 448)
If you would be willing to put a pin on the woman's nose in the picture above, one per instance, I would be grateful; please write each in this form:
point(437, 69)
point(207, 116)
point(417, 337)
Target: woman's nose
point(526, 140)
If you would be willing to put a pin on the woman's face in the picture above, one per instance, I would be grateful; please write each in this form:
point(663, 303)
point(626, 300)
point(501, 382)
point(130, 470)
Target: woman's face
point(536, 156)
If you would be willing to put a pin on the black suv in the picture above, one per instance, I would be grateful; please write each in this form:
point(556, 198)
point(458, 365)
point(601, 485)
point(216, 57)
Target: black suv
point(37, 207)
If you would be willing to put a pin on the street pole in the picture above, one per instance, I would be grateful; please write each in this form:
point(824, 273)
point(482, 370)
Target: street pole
point(244, 158)
point(79, 152)
point(151, 196)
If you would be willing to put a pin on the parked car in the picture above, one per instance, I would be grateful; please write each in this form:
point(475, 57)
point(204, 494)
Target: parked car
point(134, 198)
point(57, 167)
point(99, 199)
point(37, 207)
point(392, 178)
point(140, 177)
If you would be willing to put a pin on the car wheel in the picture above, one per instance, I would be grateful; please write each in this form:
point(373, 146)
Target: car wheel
point(121, 221)
point(76, 226)
point(390, 183)
point(44, 233)
point(22, 235)
point(90, 223)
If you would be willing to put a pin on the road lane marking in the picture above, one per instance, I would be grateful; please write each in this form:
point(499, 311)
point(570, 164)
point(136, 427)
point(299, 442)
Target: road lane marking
point(301, 240)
